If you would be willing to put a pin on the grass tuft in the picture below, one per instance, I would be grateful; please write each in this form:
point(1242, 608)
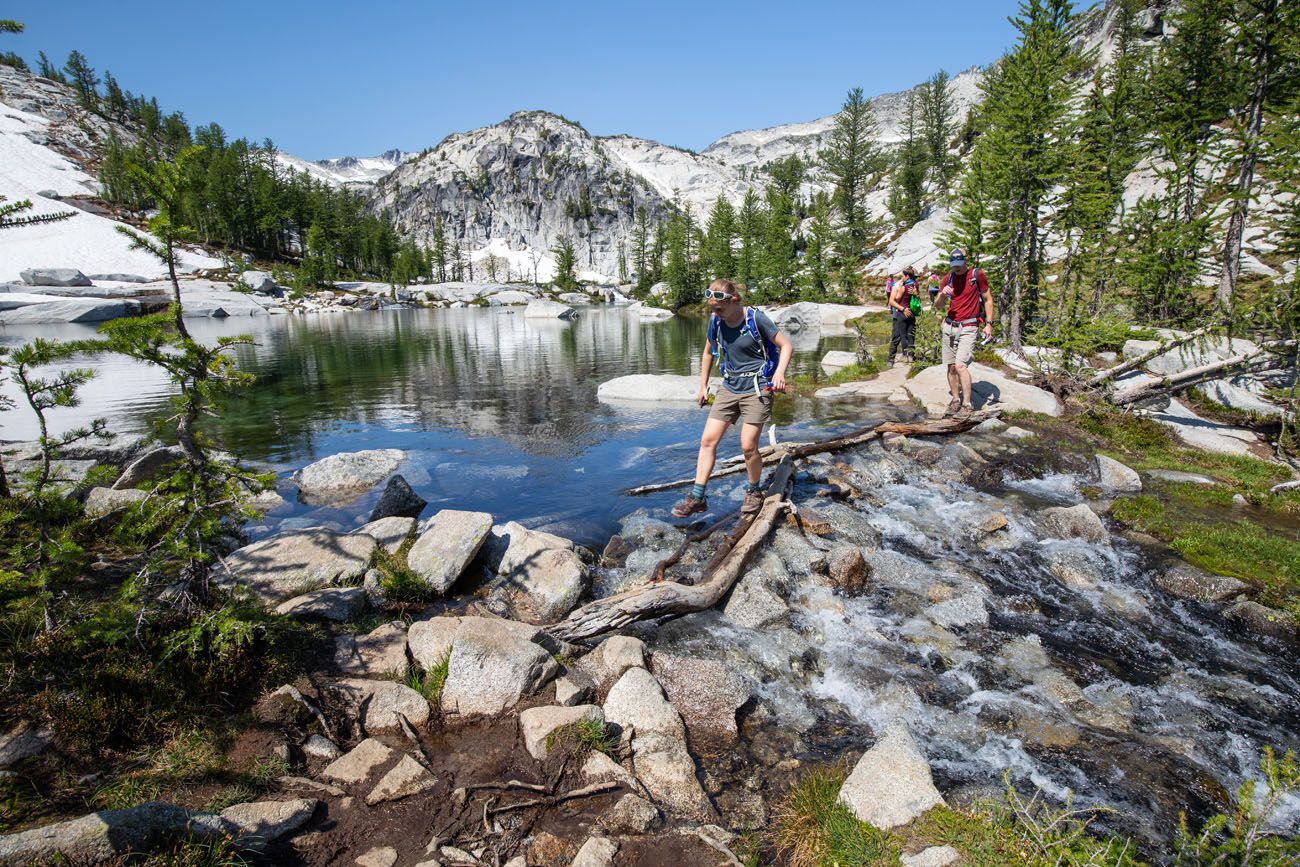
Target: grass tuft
point(813, 829)
point(586, 734)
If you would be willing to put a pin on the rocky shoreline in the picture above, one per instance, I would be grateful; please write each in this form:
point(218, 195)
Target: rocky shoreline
point(419, 738)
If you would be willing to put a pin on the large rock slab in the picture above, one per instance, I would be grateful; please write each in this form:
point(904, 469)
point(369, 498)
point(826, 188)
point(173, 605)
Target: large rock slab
point(659, 755)
point(543, 308)
point(291, 564)
point(891, 784)
point(540, 576)
point(258, 281)
point(990, 388)
point(707, 694)
point(1206, 434)
point(101, 835)
point(1189, 355)
point(429, 641)
point(340, 478)
point(448, 543)
point(149, 467)
point(206, 299)
point(268, 821)
point(332, 603)
point(651, 388)
point(537, 724)
point(493, 664)
point(101, 502)
point(54, 277)
point(838, 359)
point(381, 702)
point(69, 310)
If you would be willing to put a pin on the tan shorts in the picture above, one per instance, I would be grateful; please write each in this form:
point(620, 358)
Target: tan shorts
point(750, 408)
point(958, 343)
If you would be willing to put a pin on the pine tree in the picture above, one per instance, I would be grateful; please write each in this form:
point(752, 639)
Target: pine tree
point(439, 273)
point(1269, 73)
point(114, 99)
point(641, 248)
point(9, 58)
point(1027, 121)
point(937, 126)
point(717, 258)
point(622, 263)
point(907, 186)
point(46, 69)
point(658, 248)
point(852, 157)
point(677, 268)
point(751, 228)
point(83, 79)
point(781, 241)
point(818, 257)
point(566, 260)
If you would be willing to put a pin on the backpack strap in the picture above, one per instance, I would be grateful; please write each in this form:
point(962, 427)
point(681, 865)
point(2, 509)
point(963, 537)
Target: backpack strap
point(715, 338)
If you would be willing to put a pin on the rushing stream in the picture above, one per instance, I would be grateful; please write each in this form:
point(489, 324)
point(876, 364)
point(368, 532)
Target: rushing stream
point(1055, 661)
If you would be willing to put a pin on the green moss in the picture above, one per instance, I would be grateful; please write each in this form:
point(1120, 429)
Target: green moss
point(586, 734)
point(807, 383)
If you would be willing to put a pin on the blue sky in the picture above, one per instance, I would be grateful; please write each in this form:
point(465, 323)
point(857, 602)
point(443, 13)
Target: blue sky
point(331, 78)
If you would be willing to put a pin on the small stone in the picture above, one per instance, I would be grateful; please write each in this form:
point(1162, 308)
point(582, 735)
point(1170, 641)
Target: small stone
point(632, 814)
point(373, 585)
point(600, 768)
point(380, 856)
point(1262, 620)
point(379, 653)
point(398, 500)
point(992, 522)
point(596, 852)
point(615, 553)
point(935, 856)
point(849, 571)
point(1017, 433)
point(573, 688)
point(538, 723)
point(1074, 522)
point(408, 777)
point(1117, 477)
point(1188, 582)
point(321, 747)
point(101, 502)
point(891, 784)
point(453, 855)
point(358, 764)
point(381, 702)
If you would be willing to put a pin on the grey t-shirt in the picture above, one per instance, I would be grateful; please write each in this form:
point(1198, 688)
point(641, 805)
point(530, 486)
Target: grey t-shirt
point(744, 352)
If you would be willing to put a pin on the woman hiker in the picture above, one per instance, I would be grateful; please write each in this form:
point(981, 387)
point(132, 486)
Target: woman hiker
point(904, 304)
point(754, 358)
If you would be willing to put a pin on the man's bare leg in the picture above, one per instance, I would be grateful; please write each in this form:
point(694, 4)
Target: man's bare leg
point(963, 375)
point(954, 381)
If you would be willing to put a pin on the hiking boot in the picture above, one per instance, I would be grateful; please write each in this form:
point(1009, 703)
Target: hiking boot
point(965, 412)
point(953, 406)
point(690, 506)
point(753, 502)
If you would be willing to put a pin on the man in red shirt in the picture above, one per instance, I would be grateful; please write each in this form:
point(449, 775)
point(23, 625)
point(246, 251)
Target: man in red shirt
point(965, 294)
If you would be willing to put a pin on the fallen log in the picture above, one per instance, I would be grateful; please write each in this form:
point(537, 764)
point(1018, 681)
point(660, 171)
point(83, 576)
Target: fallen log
point(670, 598)
point(855, 438)
point(1104, 376)
point(1253, 362)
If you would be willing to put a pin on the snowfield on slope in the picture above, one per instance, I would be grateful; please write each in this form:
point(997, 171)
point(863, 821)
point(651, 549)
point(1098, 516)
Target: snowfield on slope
point(85, 241)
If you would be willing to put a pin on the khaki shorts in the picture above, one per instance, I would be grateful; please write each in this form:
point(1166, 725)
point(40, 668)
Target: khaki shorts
point(958, 343)
point(750, 408)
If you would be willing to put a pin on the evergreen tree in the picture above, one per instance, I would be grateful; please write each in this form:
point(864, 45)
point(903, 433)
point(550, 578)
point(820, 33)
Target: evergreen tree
point(907, 186)
point(1027, 121)
point(114, 99)
point(677, 269)
point(781, 241)
point(717, 258)
point(1268, 72)
point(751, 229)
point(82, 78)
point(658, 248)
point(566, 261)
point(818, 264)
point(937, 126)
point(439, 261)
point(318, 266)
point(852, 158)
point(46, 69)
point(622, 263)
point(9, 58)
point(11, 215)
point(641, 248)
point(8, 25)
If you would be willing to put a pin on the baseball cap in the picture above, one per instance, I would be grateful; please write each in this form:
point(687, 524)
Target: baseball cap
point(957, 257)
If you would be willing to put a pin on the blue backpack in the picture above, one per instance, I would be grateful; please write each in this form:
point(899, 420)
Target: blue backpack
point(770, 352)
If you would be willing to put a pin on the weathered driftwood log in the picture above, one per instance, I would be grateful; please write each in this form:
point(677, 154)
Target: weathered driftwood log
point(858, 437)
point(672, 599)
point(1253, 362)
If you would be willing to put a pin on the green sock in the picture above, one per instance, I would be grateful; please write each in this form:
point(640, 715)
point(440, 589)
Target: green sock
point(750, 487)
point(697, 490)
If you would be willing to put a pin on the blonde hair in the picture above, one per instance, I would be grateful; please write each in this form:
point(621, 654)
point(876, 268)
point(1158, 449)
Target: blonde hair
point(731, 287)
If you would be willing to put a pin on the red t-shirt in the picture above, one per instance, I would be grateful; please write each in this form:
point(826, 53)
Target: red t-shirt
point(967, 300)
